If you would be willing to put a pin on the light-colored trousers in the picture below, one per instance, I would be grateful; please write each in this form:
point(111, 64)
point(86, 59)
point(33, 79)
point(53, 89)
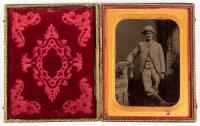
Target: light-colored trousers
point(151, 81)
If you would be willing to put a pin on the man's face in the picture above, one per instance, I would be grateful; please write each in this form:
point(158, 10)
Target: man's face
point(148, 35)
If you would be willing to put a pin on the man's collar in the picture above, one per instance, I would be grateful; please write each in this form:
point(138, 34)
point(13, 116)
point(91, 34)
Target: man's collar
point(149, 43)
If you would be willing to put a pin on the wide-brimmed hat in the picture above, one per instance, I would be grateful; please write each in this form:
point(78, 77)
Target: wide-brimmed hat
point(148, 28)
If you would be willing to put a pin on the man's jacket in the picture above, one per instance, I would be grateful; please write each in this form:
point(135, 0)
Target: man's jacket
point(156, 53)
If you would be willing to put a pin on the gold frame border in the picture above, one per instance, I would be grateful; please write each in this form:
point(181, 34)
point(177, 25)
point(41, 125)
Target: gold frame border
point(96, 68)
point(193, 106)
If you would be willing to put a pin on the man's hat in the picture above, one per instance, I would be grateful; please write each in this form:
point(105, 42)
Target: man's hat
point(148, 28)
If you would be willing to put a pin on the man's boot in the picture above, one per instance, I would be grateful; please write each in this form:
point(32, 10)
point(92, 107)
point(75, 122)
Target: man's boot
point(162, 102)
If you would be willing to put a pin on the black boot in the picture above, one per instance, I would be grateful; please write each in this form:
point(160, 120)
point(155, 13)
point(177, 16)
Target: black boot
point(162, 102)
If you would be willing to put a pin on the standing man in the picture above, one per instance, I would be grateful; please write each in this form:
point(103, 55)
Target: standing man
point(152, 63)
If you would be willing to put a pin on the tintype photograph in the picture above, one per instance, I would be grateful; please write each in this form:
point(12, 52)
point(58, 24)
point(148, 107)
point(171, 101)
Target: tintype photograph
point(147, 62)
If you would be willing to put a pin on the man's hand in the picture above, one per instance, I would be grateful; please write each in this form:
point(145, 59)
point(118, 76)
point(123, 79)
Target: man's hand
point(126, 63)
point(129, 64)
point(162, 76)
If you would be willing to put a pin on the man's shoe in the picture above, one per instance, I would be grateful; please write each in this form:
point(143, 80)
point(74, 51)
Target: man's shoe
point(164, 103)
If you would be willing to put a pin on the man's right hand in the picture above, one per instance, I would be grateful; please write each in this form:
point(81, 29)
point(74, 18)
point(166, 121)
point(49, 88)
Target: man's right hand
point(129, 64)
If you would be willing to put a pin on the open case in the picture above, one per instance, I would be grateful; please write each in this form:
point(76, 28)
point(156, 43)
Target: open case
point(68, 62)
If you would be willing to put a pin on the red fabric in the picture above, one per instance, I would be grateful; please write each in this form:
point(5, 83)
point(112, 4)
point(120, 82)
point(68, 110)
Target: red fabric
point(51, 57)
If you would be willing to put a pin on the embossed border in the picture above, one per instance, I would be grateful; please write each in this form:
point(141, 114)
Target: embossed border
point(96, 67)
point(190, 8)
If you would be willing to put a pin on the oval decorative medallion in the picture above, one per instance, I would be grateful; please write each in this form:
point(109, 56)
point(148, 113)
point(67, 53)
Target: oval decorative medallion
point(52, 63)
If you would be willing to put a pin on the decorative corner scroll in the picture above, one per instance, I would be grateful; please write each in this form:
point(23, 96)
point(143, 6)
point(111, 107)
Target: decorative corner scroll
point(19, 104)
point(82, 22)
point(83, 103)
point(20, 23)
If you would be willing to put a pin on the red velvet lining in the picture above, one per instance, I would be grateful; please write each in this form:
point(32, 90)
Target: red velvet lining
point(51, 80)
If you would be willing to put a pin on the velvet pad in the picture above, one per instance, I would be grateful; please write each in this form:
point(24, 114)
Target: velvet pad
point(51, 58)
